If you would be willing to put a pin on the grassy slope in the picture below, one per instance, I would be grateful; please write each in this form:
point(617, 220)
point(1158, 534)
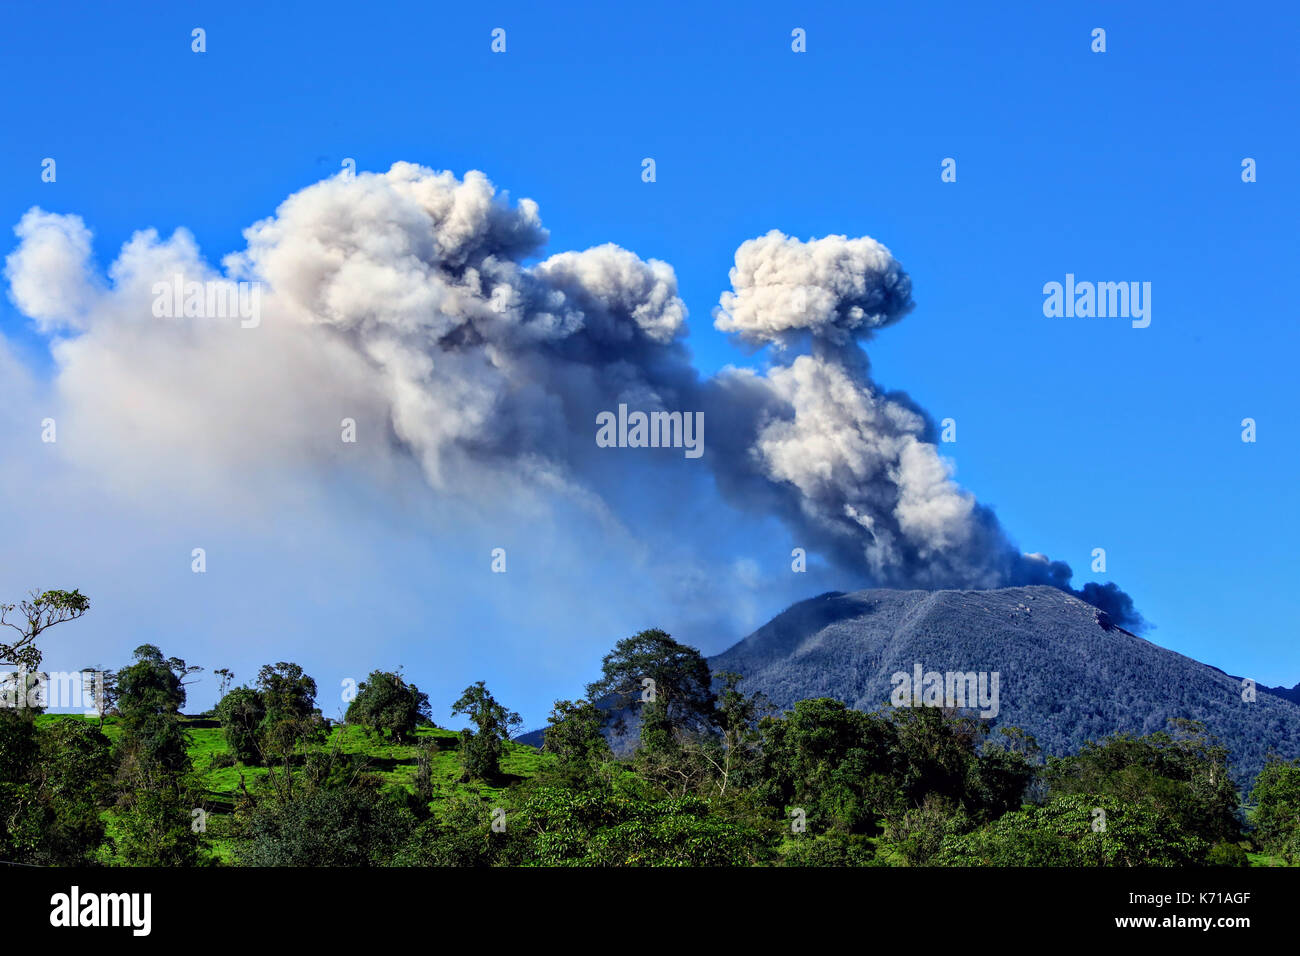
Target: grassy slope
point(393, 763)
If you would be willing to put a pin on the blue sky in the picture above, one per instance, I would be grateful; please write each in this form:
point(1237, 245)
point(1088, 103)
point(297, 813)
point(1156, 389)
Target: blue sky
point(1082, 433)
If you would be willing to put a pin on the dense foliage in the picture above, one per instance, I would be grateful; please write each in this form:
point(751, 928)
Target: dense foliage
point(387, 704)
point(1276, 799)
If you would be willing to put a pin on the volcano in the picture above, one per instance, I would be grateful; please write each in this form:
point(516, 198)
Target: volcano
point(1065, 672)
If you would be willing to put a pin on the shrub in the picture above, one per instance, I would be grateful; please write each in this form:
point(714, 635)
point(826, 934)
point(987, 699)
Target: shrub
point(385, 703)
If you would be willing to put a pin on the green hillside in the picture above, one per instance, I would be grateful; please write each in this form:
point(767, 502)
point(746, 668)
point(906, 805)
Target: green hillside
point(221, 775)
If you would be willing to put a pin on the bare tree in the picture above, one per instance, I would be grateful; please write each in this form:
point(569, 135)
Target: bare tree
point(100, 685)
point(39, 611)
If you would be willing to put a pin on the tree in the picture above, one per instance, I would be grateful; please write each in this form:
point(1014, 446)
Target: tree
point(937, 750)
point(1182, 775)
point(101, 684)
point(424, 772)
point(157, 794)
point(575, 734)
point(1003, 774)
point(917, 834)
point(288, 692)
point(460, 835)
point(241, 713)
point(53, 790)
point(1276, 813)
point(385, 703)
point(700, 758)
point(156, 828)
point(152, 685)
point(39, 611)
point(738, 717)
point(481, 749)
point(669, 681)
point(292, 719)
point(840, 766)
point(151, 693)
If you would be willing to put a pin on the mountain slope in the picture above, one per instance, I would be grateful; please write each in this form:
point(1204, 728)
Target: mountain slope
point(1066, 674)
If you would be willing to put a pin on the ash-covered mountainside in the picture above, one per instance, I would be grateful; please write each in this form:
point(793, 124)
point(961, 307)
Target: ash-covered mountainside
point(1066, 674)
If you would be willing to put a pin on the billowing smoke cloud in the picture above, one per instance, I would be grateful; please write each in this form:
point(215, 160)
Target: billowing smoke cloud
point(855, 468)
point(835, 290)
point(405, 300)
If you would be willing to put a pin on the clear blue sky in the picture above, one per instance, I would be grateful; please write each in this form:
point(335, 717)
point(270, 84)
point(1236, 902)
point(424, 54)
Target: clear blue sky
point(1082, 433)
